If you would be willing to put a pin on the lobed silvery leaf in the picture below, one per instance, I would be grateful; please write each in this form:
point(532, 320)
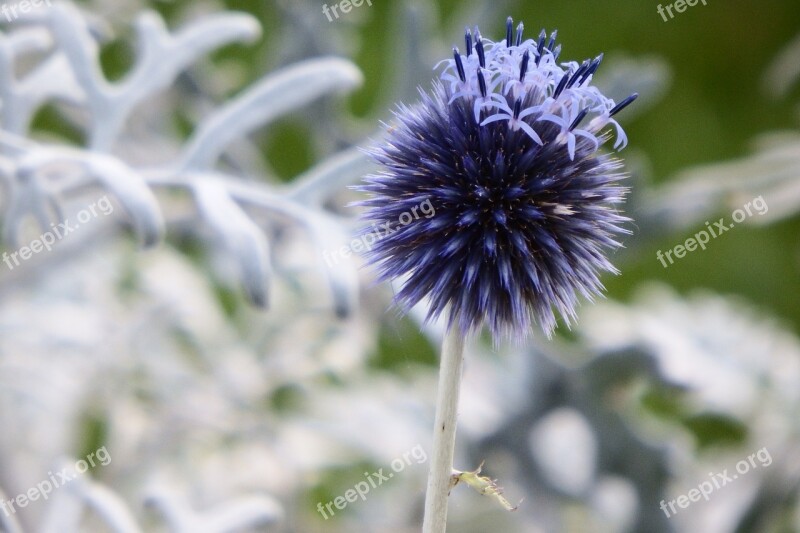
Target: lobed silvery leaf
point(161, 57)
point(236, 515)
point(326, 233)
point(697, 193)
point(130, 189)
point(784, 71)
point(276, 95)
point(239, 235)
point(22, 97)
point(333, 174)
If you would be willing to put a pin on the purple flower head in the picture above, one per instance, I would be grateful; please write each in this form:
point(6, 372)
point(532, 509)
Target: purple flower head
point(506, 154)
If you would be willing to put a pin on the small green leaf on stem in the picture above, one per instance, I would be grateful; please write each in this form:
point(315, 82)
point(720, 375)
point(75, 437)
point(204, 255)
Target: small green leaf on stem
point(484, 485)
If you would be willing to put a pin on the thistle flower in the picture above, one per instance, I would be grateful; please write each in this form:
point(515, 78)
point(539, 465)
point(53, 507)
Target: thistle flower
point(507, 151)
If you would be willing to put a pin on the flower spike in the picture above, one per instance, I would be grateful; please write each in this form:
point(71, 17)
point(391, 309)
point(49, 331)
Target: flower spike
point(525, 201)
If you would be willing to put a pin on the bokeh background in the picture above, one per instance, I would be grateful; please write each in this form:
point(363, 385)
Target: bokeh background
point(237, 379)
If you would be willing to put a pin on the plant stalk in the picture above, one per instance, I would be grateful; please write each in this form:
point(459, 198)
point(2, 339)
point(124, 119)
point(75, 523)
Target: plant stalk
point(444, 435)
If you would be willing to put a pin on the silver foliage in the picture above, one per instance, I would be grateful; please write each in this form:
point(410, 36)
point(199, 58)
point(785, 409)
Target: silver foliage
point(41, 177)
point(45, 181)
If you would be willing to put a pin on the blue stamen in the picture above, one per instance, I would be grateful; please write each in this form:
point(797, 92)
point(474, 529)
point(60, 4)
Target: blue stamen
point(509, 31)
point(468, 41)
point(623, 104)
point(578, 73)
point(561, 85)
point(459, 65)
point(523, 68)
point(479, 48)
point(517, 107)
point(482, 83)
point(540, 47)
point(520, 28)
point(592, 69)
point(552, 42)
point(578, 119)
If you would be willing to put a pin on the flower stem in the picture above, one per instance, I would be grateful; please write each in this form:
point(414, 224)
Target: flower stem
point(444, 435)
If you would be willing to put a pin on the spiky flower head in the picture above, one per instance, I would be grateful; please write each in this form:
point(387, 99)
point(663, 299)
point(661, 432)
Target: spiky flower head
point(505, 152)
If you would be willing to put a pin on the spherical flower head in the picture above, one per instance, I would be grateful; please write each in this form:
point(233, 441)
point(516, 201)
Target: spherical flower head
point(496, 199)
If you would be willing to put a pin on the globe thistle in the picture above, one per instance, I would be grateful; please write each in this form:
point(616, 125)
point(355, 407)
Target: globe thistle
point(506, 151)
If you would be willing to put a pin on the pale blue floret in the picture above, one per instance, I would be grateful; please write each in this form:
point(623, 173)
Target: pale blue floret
point(515, 119)
point(528, 71)
point(569, 131)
